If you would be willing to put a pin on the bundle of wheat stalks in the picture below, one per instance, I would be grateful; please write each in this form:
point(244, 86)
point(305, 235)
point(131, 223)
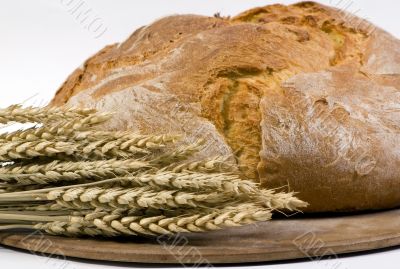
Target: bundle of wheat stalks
point(65, 176)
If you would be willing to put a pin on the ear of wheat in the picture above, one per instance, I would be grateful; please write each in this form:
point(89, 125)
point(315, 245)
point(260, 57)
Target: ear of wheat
point(90, 150)
point(60, 130)
point(56, 171)
point(21, 149)
point(69, 178)
point(16, 113)
point(145, 197)
point(114, 224)
point(210, 165)
point(66, 132)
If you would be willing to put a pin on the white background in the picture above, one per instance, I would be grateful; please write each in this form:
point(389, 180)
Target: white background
point(41, 43)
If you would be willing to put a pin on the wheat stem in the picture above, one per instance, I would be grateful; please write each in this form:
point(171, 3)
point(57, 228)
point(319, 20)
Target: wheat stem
point(32, 218)
point(16, 226)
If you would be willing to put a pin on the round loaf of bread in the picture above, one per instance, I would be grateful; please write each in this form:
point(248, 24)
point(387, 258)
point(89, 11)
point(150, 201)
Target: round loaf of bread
point(305, 97)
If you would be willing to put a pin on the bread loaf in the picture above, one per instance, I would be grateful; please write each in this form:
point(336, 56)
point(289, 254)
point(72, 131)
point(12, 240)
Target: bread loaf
point(302, 96)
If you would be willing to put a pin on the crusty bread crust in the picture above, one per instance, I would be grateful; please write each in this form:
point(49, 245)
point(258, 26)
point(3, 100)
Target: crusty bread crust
point(304, 96)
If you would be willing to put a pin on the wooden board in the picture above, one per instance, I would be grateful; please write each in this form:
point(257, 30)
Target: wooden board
point(310, 237)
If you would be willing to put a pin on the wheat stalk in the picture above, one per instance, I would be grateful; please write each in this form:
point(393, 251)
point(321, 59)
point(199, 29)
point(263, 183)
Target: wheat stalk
point(155, 186)
point(59, 130)
point(56, 171)
point(21, 149)
point(85, 149)
point(52, 206)
point(16, 113)
point(192, 181)
point(107, 198)
point(141, 197)
point(105, 224)
point(75, 131)
point(15, 188)
point(228, 183)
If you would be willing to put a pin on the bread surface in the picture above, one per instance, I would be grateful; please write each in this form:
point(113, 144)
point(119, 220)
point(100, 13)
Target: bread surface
point(303, 96)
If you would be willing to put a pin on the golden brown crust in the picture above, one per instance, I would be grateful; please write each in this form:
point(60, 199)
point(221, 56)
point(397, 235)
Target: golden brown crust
point(332, 135)
point(219, 78)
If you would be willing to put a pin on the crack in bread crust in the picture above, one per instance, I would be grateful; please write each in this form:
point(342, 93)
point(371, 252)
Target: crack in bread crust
point(232, 100)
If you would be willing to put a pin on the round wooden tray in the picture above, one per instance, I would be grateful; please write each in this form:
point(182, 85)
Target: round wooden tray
point(283, 239)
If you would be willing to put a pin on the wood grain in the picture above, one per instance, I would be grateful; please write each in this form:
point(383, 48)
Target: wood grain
point(281, 239)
